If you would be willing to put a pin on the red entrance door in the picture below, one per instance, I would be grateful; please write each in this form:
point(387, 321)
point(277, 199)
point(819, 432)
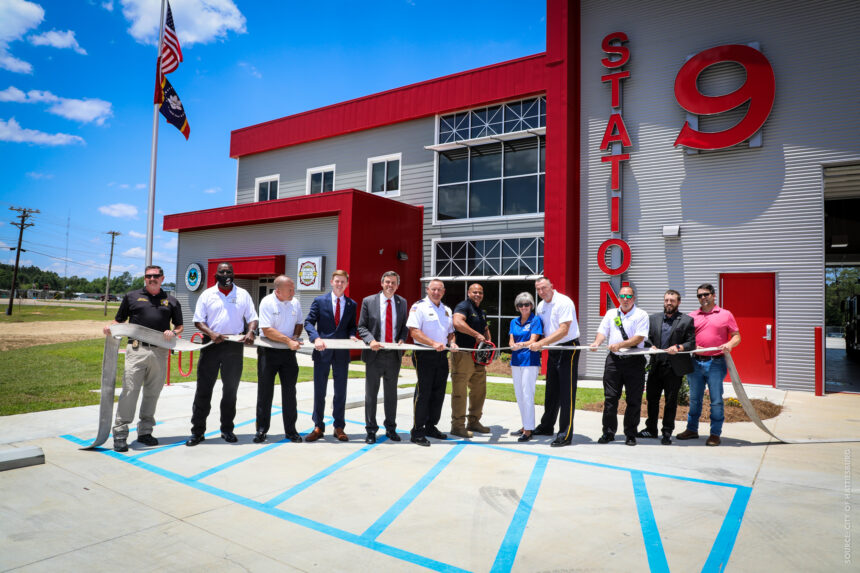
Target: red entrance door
point(752, 299)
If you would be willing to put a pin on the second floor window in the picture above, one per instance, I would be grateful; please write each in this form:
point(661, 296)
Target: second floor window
point(267, 189)
point(320, 179)
point(383, 174)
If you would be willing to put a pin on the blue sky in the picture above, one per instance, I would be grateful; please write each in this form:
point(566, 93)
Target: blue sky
point(76, 85)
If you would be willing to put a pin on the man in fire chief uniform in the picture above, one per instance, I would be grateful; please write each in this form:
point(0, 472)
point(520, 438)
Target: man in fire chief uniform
point(430, 323)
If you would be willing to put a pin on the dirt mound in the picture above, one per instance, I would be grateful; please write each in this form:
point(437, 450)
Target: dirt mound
point(23, 334)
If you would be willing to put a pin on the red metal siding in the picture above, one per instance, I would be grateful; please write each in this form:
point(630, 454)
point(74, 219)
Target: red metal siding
point(248, 267)
point(498, 82)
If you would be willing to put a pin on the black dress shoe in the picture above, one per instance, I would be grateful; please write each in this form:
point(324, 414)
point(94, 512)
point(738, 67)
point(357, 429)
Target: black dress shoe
point(392, 435)
point(229, 437)
point(294, 437)
point(259, 437)
point(120, 445)
point(517, 433)
point(435, 433)
point(631, 441)
point(421, 441)
point(559, 442)
point(194, 440)
point(646, 434)
point(540, 431)
point(524, 437)
point(666, 439)
point(147, 440)
point(606, 438)
point(370, 439)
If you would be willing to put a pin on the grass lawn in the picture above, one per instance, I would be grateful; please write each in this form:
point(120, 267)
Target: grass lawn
point(64, 376)
point(40, 313)
point(505, 393)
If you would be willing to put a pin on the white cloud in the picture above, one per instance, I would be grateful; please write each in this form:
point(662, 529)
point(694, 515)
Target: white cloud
point(123, 186)
point(121, 210)
point(84, 110)
point(140, 186)
point(22, 262)
point(135, 252)
point(171, 244)
point(3, 245)
point(196, 21)
point(57, 39)
point(251, 69)
point(212, 190)
point(136, 235)
point(16, 18)
point(12, 131)
point(140, 253)
point(37, 175)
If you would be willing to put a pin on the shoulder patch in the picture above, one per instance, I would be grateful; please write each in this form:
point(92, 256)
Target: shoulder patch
point(142, 299)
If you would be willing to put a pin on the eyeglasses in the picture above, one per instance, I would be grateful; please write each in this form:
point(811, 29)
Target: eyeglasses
point(524, 304)
point(622, 296)
point(703, 295)
point(152, 276)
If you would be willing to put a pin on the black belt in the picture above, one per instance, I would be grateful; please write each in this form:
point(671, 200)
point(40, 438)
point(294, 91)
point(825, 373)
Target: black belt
point(135, 343)
point(701, 358)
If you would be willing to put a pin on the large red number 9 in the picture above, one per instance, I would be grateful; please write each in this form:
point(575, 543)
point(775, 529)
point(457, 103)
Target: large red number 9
point(758, 89)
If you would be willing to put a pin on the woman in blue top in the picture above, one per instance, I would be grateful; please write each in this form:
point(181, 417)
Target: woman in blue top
point(525, 364)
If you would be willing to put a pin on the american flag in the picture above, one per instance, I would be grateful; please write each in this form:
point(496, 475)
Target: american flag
point(171, 53)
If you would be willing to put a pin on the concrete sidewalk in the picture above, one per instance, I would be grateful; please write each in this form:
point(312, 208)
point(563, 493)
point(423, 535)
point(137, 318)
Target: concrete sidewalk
point(486, 504)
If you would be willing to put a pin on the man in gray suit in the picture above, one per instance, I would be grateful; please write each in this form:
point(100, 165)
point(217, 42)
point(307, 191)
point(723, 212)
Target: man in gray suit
point(672, 331)
point(383, 319)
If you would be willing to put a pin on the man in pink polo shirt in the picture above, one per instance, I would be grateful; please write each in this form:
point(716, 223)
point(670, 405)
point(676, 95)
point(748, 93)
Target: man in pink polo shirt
point(715, 326)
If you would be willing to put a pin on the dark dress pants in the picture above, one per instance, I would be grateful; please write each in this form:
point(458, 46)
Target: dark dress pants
point(661, 378)
point(338, 365)
point(280, 362)
point(385, 365)
point(432, 369)
point(560, 390)
point(225, 357)
point(629, 373)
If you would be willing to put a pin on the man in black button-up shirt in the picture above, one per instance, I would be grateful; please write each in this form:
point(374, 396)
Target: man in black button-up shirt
point(470, 324)
point(672, 331)
point(145, 365)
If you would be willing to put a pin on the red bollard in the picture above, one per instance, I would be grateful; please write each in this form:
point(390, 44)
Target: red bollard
point(819, 361)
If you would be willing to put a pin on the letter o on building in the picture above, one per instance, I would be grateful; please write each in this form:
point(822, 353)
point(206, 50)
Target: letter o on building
point(625, 256)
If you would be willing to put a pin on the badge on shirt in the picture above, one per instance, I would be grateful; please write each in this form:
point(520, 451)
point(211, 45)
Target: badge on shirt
point(165, 302)
point(527, 327)
point(142, 299)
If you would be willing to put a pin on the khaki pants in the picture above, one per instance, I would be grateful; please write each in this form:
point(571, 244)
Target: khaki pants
point(145, 368)
point(466, 374)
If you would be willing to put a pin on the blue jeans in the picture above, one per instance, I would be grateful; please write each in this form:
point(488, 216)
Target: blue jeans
point(714, 372)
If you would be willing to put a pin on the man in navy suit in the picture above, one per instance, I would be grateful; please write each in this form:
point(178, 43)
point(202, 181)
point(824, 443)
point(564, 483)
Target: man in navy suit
point(332, 316)
point(382, 319)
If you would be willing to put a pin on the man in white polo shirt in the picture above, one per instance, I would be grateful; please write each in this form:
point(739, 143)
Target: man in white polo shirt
point(221, 310)
point(280, 321)
point(558, 316)
point(625, 327)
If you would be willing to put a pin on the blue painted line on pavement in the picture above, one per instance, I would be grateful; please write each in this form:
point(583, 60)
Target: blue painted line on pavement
point(298, 488)
point(653, 544)
point(334, 532)
point(240, 459)
point(376, 529)
point(725, 541)
point(511, 543)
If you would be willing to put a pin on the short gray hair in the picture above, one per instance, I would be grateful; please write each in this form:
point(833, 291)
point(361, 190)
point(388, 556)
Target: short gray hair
point(524, 297)
point(390, 274)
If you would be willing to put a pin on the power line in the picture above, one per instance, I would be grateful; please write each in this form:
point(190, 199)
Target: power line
point(23, 214)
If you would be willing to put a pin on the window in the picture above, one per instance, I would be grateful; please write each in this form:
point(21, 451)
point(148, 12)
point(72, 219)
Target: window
point(511, 117)
point(320, 179)
point(267, 188)
point(491, 180)
point(383, 175)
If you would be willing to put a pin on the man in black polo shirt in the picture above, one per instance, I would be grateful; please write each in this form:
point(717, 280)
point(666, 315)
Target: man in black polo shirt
point(145, 365)
point(470, 328)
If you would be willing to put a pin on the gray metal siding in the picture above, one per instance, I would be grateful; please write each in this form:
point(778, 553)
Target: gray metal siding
point(349, 153)
point(307, 237)
point(743, 210)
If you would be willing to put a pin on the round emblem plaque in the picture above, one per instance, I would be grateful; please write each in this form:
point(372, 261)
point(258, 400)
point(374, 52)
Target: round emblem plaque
point(193, 276)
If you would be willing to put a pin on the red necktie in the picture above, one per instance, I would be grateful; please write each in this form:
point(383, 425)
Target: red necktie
point(389, 322)
point(337, 313)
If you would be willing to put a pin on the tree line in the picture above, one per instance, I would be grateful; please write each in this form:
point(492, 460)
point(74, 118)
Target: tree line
point(35, 278)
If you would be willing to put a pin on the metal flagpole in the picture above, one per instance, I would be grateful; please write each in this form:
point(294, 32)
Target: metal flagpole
point(150, 212)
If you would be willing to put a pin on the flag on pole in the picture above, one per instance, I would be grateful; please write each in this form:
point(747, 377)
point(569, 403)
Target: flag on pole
point(171, 108)
point(170, 56)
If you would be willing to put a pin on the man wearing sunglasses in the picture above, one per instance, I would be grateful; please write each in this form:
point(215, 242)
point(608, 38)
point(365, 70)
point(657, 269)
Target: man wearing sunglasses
point(622, 328)
point(145, 365)
point(715, 326)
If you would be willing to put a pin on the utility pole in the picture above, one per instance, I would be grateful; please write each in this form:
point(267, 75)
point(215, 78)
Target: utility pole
point(23, 214)
point(113, 235)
